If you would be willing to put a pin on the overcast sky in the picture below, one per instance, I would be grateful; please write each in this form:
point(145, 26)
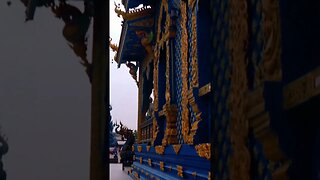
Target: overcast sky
point(45, 97)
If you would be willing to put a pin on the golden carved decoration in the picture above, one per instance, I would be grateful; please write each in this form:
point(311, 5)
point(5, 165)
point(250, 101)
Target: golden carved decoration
point(191, 4)
point(140, 160)
point(148, 148)
point(132, 148)
point(302, 89)
point(149, 162)
point(146, 39)
point(160, 149)
point(170, 134)
point(238, 37)
point(272, 40)
point(205, 89)
point(194, 51)
point(162, 165)
point(136, 13)
point(184, 69)
point(180, 171)
point(114, 48)
point(176, 148)
point(167, 94)
point(155, 129)
point(139, 148)
point(204, 150)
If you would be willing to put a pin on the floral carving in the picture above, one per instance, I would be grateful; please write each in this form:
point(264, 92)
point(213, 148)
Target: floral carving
point(204, 150)
point(139, 148)
point(160, 149)
point(240, 159)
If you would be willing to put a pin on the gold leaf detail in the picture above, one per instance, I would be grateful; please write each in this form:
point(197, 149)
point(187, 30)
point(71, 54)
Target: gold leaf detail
point(204, 150)
point(176, 148)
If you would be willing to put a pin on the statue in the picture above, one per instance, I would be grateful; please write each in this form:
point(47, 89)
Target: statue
point(133, 71)
point(126, 153)
point(3, 150)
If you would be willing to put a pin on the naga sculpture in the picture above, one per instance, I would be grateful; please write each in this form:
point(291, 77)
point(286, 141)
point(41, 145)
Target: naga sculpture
point(133, 71)
point(3, 150)
point(75, 29)
point(126, 153)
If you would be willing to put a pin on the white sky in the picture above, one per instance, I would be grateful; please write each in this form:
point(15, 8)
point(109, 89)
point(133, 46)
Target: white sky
point(123, 88)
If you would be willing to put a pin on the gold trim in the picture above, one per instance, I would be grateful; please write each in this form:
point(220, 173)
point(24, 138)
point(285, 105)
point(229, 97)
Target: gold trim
point(302, 89)
point(160, 149)
point(139, 148)
point(170, 134)
point(132, 148)
point(140, 160)
point(176, 148)
point(184, 69)
point(209, 175)
point(148, 148)
point(205, 89)
point(180, 171)
point(204, 150)
point(194, 51)
point(238, 36)
point(161, 165)
point(155, 129)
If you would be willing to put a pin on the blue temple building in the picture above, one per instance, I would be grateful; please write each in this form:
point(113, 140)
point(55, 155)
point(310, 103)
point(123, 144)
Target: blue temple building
point(228, 89)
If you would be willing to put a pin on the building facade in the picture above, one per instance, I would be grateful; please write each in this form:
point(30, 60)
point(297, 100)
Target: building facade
point(228, 89)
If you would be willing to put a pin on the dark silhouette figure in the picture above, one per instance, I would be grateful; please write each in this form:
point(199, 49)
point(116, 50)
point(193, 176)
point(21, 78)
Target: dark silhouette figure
point(3, 150)
point(75, 30)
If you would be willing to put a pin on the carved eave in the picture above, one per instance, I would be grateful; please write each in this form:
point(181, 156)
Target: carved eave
point(130, 45)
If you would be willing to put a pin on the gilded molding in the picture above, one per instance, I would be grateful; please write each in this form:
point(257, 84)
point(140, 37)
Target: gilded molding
point(148, 148)
point(302, 89)
point(194, 51)
point(132, 148)
point(140, 160)
point(272, 40)
point(167, 94)
point(170, 134)
point(239, 163)
point(176, 148)
point(136, 176)
point(139, 148)
point(204, 150)
point(184, 73)
point(155, 129)
point(162, 165)
point(180, 171)
point(160, 149)
point(134, 14)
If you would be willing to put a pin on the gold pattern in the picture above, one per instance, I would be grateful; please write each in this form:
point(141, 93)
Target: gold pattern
point(140, 160)
point(170, 136)
point(204, 150)
point(176, 148)
point(155, 129)
point(136, 13)
point(180, 171)
point(160, 149)
point(240, 159)
point(184, 69)
point(209, 175)
point(302, 89)
point(272, 41)
point(148, 148)
point(194, 51)
point(139, 148)
point(132, 148)
point(162, 165)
